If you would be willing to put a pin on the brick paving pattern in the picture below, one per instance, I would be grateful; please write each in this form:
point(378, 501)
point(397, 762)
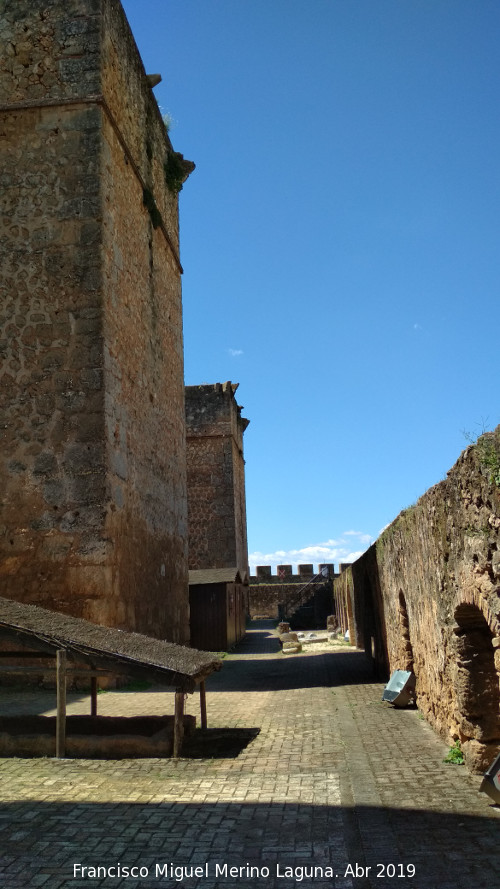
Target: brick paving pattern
point(302, 767)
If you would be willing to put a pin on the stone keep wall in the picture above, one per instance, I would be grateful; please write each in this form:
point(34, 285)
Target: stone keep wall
point(265, 598)
point(426, 597)
point(267, 591)
point(216, 478)
point(94, 517)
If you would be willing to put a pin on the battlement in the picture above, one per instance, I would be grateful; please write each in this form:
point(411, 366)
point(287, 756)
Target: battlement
point(272, 595)
point(284, 573)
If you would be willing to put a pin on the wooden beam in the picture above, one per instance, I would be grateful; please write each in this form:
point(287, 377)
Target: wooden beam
point(26, 654)
point(93, 696)
point(76, 671)
point(29, 668)
point(178, 723)
point(61, 704)
point(203, 705)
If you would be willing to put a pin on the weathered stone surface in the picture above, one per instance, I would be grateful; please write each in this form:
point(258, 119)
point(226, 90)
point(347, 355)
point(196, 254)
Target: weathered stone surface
point(292, 647)
point(270, 593)
point(283, 627)
point(93, 442)
point(426, 597)
point(216, 478)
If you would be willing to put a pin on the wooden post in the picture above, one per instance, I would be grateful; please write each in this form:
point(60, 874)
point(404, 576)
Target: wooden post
point(203, 705)
point(93, 695)
point(178, 723)
point(61, 703)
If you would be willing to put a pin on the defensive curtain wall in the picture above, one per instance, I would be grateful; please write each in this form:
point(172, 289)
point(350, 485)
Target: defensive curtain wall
point(426, 597)
point(93, 470)
point(216, 478)
point(280, 595)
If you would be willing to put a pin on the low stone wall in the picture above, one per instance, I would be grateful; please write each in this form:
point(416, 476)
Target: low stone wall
point(426, 597)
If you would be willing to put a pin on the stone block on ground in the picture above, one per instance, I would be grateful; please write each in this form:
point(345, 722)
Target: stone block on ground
point(291, 647)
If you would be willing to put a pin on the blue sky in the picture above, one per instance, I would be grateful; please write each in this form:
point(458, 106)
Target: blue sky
point(340, 240)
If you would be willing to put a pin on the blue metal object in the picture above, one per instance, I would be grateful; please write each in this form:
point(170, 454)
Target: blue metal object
point(400, 689)
point(491, 780)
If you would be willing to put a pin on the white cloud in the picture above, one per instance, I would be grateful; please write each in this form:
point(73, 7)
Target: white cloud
point(363, 538)
point(235, 352)
point(318, 553)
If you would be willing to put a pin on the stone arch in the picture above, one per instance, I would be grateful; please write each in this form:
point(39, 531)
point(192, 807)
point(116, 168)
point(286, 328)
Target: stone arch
point(477, 688)
point(404, 627)
point(349, 615)
point(373, 637)
point(474, 597)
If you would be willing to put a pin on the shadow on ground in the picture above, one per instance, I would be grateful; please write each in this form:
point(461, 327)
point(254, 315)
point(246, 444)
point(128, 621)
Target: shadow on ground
point(293, 671)
point(258, 664)
point(218, 743)
point(445, 850)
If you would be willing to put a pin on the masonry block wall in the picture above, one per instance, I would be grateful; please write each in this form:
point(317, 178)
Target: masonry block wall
point(93, 473)
point(216, 478)
point(426, 597)
point(265, 599)
point(268, 592)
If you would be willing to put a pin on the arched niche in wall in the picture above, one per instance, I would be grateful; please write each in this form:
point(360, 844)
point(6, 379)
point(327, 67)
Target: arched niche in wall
point(349, 615)
point(404, 629)
point(373, 640)
point(369, 619)
point(477, 691)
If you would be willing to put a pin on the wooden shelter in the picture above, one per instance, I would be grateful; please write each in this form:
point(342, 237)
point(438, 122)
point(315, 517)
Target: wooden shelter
point(83, 648)
point(218, 603)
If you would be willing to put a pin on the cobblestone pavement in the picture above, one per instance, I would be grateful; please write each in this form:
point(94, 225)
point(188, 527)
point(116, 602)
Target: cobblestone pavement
point(315, 773)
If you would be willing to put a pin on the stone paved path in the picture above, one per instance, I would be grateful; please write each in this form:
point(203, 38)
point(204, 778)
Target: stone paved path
point(316, 773)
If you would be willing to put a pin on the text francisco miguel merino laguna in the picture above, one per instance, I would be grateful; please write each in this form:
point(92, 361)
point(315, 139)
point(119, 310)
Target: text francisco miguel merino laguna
point(178, 873)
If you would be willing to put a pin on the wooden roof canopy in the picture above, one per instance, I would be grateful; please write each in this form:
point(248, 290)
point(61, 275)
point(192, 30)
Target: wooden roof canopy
point(204, 576)
point(105, 648)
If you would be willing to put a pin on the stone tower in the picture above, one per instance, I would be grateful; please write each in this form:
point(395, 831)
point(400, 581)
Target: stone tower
point(216, 478)
point(92, 466)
